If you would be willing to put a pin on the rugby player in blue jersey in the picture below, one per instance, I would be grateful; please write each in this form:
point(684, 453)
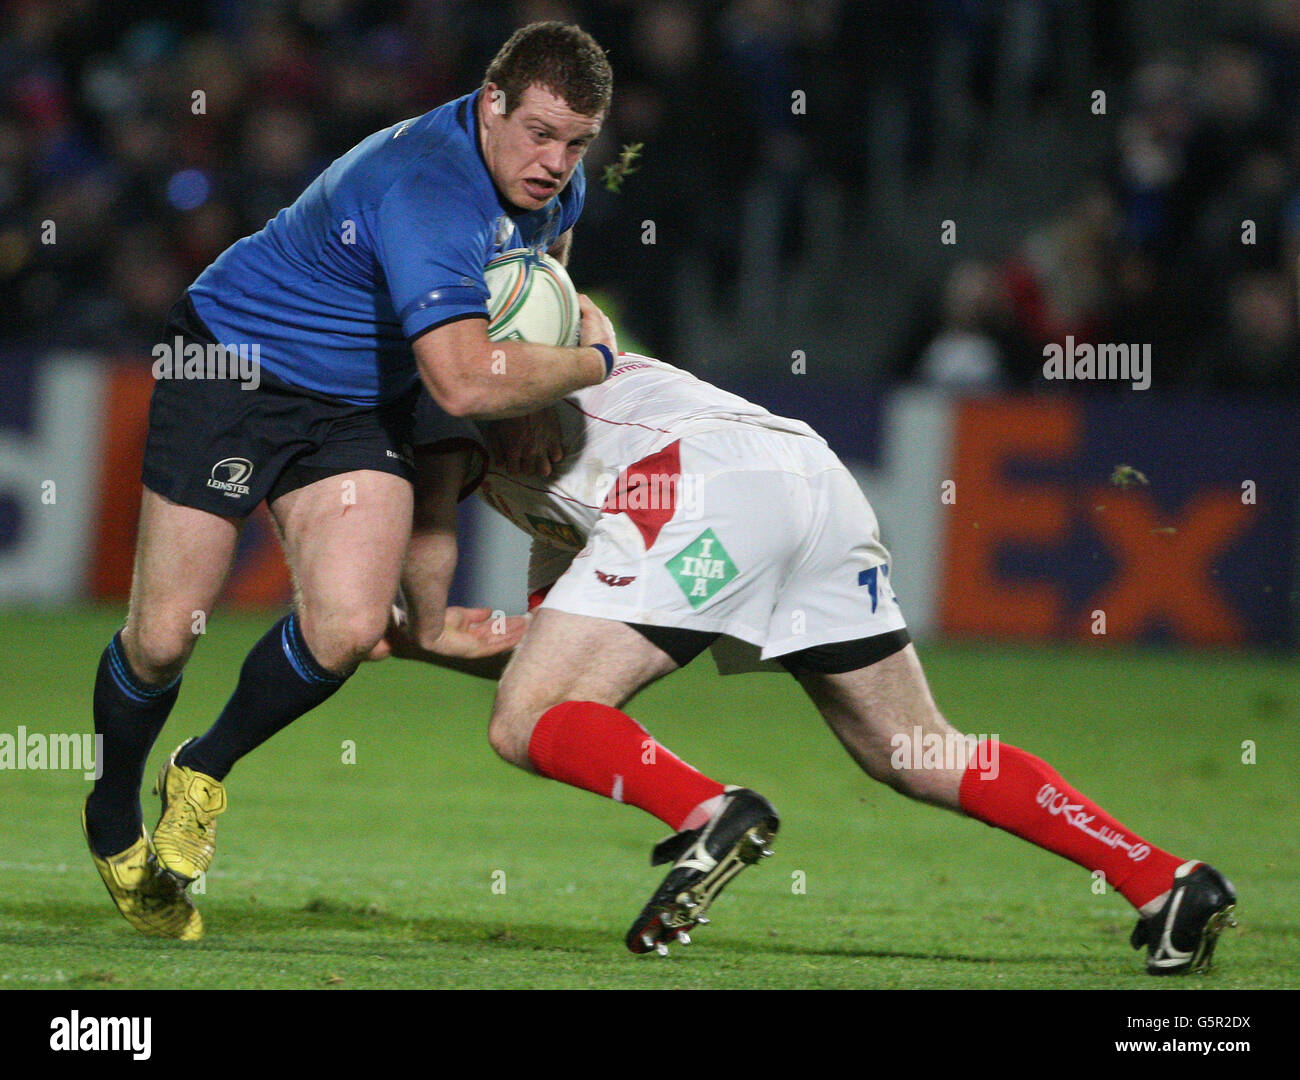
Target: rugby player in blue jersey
point(368, 286)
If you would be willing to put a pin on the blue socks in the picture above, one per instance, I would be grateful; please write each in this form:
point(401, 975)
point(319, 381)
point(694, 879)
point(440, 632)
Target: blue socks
point(128, 714)
point(279, 682)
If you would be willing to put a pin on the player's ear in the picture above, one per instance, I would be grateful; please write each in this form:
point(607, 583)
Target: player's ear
point(494, 101)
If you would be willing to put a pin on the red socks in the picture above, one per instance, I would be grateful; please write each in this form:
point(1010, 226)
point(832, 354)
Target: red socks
point(1028, 798)
point(598, 748)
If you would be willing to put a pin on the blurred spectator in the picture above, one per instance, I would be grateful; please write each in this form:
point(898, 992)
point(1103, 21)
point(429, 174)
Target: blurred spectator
point(278, 159)
point(1059, 282)
point(874, 72)
point(1279, 51)
point(1259, 351)
point(689, 189)
point(760, 45)
point(975, 343)
point(965, 354)
point(1152, 148)
point(1233, 121)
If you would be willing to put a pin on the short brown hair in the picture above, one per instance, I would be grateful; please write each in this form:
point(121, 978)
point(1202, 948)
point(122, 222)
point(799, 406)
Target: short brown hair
point(564, 59)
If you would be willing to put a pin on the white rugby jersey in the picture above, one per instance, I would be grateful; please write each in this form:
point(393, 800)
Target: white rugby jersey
point(643, 407)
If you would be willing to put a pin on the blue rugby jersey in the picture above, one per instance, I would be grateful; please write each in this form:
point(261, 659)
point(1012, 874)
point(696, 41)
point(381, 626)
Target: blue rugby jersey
point(388, 242)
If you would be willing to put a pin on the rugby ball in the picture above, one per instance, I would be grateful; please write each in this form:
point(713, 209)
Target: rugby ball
point(531, 299)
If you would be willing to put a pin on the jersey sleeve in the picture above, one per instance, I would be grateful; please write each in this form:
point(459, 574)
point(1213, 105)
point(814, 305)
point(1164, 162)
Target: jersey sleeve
point(432, 241)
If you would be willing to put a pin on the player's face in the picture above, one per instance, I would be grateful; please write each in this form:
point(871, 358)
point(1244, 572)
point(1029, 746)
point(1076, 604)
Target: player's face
point(532, 152)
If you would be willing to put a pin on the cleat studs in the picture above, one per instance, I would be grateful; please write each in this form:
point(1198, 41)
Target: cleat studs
point(703, 921)
point(648, 941)
point(684, 938)
point(765, 853)
point(661, 949)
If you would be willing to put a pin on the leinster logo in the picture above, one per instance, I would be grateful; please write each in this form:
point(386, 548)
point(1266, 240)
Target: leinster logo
point(229, 474)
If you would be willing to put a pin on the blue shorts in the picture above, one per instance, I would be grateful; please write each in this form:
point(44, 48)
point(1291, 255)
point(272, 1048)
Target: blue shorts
point(218, 446)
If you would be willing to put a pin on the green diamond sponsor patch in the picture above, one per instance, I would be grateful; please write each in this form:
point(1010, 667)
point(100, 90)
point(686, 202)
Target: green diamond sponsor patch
point(702, 568)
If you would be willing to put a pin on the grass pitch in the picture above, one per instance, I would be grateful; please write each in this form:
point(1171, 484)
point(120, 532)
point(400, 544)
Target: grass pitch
point(429, 863)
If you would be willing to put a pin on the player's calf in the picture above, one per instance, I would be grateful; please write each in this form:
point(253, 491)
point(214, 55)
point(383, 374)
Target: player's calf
point(888, 722)
point(129, 714)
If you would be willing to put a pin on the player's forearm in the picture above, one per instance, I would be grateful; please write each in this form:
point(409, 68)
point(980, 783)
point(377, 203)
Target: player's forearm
point(431, 551)
point(483, 667)
point(515, 378)
point(426, 579)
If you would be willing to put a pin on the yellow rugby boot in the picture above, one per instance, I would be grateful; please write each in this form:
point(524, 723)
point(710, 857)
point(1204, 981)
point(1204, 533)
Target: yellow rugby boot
point(148, 899)
point(186, 835)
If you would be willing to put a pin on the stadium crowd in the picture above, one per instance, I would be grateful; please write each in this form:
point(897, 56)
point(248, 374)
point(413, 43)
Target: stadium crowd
point(1188, 239)
point(138, 140)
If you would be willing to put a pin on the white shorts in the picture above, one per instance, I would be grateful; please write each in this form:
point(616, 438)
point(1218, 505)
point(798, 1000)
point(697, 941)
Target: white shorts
point(768, 540)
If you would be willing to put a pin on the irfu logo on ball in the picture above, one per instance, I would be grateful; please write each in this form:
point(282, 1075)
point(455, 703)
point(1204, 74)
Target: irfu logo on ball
point(702, 568)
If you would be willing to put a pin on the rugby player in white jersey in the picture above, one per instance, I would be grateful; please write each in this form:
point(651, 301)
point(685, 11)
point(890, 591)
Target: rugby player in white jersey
point(682, 517)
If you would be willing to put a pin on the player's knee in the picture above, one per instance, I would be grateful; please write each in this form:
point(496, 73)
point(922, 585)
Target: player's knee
point(510, 740)
point(157, 652)
point(342, 640)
